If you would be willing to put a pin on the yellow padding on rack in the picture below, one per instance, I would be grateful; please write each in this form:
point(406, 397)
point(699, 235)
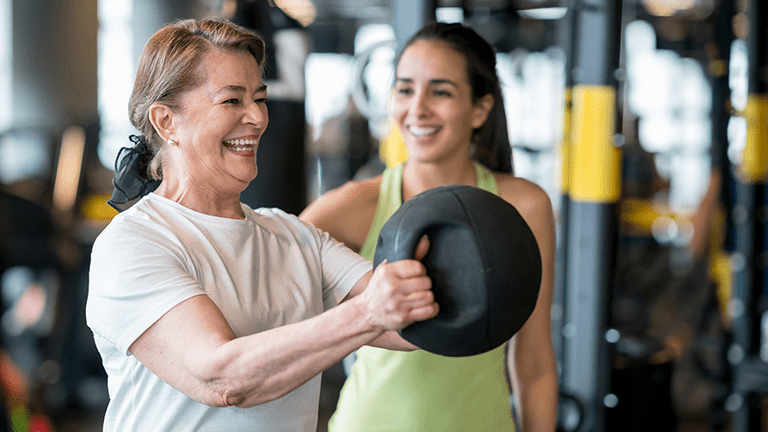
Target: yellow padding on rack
point(565, 144)
point(720, 266)
point(640, 214)
point(596, 170)
point(754, 162)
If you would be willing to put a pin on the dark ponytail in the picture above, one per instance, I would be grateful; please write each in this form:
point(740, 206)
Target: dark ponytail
point(491, 140)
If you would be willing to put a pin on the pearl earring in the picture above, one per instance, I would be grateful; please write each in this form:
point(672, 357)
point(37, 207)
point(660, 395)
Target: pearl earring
point(172, 143)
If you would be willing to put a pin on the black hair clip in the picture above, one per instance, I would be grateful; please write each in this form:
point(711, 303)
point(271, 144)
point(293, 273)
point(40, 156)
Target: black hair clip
point(130, 179)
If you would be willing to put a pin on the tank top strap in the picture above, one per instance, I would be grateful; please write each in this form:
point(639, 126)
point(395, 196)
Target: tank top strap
point(390, 199)
point(485, 179)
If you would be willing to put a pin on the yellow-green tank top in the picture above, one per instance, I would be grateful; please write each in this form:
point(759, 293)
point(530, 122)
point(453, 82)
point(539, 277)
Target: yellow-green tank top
point(419, 391)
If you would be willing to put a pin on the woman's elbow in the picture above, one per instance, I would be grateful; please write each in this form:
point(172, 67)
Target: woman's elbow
point(229, 393)
point(241, 392)
point(216, 383)
point(215, 394)
point(249, 398)
point(224, 379)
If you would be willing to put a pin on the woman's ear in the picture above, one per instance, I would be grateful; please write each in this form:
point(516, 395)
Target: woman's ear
point(161, 117)
point(481, 110)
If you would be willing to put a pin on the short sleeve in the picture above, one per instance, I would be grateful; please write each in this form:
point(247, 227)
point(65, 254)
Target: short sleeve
point(342, 268)
point(137, 274)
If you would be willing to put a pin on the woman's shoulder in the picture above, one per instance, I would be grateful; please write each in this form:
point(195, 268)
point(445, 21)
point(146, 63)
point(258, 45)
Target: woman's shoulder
point(529, 198)
point(346, 212)
point(353, 195)
point(131, 238)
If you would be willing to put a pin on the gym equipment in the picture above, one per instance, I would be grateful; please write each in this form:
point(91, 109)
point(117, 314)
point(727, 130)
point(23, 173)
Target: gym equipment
point(483, 260)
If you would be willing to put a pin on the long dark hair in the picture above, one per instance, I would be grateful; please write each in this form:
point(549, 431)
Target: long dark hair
point(491, 140)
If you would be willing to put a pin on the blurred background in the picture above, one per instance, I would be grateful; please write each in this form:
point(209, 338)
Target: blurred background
point(644, 120)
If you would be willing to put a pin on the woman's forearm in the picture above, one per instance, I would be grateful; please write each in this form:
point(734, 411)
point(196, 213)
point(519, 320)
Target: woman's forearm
point(537, 404)
point(193, 349)
point(266, 366)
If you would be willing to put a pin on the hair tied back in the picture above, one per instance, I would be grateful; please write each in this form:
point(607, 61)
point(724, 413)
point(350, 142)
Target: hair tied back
point(131, 181)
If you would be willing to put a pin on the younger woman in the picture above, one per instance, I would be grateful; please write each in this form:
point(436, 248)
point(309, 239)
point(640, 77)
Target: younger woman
point(447, 104)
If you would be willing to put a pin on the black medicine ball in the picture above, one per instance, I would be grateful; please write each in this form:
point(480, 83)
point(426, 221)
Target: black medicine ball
point(483, 260)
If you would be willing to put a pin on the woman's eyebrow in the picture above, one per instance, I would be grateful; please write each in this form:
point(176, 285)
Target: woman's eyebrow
point(241, 89)
point(435, 81)
point(442, 81)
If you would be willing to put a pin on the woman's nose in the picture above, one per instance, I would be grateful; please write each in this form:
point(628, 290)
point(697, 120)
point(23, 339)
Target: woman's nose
point(418, 104)
point(257, 115)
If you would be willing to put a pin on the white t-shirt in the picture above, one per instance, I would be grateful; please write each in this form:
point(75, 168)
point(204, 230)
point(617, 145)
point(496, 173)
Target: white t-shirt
point(265, 271)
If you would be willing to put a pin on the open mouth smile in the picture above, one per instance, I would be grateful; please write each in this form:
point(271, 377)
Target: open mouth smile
point(423, 131)
point(241, 145)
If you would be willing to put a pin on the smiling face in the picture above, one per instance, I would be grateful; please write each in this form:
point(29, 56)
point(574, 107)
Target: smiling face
point(433, 104)
point(218, 127)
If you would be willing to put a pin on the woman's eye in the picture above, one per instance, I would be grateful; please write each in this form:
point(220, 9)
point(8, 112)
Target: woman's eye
point(442, 93)
point(232, 101)
point(260, 100)
point(404, 91)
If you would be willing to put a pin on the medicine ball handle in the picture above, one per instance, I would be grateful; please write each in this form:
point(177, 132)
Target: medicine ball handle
point(407, 242)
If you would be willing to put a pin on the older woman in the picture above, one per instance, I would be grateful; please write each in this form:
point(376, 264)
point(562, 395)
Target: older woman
point(210, 315)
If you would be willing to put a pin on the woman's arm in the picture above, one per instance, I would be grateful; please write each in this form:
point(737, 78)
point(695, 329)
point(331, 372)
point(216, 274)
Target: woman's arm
point(531, 357)
point(346, 213)
point(193, 349)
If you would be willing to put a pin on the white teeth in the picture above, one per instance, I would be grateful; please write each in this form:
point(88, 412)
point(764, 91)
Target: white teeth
point(422, 131)
point(240, 142)
point(241, 145)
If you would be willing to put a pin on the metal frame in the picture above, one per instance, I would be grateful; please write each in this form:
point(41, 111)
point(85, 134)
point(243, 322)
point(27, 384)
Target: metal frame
point(749, 216)
point(591, 220)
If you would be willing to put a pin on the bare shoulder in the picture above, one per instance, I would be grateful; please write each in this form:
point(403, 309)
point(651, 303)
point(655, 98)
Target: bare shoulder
point(534, 205)
point(346, 212)
point(528, 198)
point(353, 195)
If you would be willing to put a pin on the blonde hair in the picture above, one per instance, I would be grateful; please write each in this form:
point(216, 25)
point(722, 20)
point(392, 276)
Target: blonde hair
point(170, 65)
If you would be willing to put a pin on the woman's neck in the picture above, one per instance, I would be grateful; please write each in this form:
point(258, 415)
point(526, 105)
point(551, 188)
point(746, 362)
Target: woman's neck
point(420, 177)
point(203, 200)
